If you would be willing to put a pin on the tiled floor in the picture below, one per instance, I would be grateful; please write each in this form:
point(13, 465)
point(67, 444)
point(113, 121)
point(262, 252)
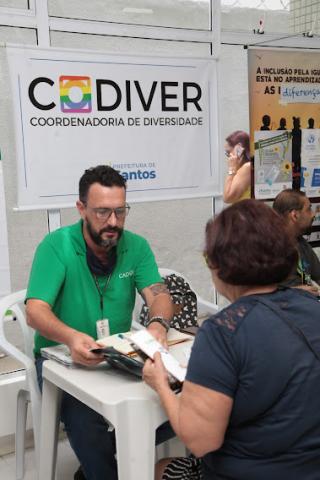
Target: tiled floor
point(67, 464)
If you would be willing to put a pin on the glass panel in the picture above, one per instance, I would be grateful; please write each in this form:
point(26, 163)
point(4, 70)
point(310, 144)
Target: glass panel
point(138, 46)
point(305, 16)
point(18, 35)
point(261, 4)
point(24, 4)
point(271, 16)
point(193, 14)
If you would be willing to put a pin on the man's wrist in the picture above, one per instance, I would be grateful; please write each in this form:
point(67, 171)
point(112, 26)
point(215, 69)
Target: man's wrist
point(160, 320)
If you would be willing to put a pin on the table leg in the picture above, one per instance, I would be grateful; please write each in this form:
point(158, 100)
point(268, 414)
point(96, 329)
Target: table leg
point(50, 419)
point(135, 440)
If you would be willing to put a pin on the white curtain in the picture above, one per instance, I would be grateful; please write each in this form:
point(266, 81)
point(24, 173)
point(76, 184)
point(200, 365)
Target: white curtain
point(4, 253)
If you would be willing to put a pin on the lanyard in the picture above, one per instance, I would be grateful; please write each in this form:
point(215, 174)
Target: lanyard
point(103, 291)
point(301, 270)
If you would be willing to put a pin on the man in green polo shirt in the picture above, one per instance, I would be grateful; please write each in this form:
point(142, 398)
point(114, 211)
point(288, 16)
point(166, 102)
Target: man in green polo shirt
point(83, 281)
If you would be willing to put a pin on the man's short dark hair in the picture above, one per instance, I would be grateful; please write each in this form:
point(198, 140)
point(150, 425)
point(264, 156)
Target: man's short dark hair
point(288, 200)
point(249, 245)
point(102, 174)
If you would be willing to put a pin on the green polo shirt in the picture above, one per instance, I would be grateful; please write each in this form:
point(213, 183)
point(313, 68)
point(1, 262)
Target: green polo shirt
point(61, 277)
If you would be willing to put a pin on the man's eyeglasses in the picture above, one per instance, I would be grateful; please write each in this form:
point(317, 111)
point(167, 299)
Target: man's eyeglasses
point(105, 213)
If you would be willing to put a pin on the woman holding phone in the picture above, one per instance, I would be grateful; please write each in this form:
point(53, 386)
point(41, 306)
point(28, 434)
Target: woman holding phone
point(237, 185)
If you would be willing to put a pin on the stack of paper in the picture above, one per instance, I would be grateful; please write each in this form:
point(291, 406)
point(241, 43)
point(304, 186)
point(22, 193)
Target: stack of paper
point(59, 353)
point(121, 341)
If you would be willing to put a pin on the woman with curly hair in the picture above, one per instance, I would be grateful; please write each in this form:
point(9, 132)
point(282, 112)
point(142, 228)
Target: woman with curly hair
point(249, 406)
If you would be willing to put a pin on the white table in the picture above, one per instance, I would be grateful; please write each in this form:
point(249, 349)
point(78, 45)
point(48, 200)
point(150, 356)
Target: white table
point(129, 404)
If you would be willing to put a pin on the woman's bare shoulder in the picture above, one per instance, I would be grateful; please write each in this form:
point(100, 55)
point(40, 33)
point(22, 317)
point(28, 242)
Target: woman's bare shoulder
point(246, 166)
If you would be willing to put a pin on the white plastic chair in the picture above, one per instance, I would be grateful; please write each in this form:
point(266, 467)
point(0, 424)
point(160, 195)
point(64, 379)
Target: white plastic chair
point(204, 307)
point(31, 392)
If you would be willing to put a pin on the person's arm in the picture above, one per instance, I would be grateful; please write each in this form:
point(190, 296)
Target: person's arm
point(309, 288)
point(199, 416)
point(236, 182)
point(42, 294)
point(41, 318)
point(158, 300)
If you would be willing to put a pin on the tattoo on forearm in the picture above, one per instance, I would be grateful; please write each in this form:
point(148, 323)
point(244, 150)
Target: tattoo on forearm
point(158, 288)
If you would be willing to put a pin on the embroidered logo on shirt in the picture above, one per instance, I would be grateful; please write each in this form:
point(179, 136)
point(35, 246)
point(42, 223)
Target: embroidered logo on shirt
point(126, 274)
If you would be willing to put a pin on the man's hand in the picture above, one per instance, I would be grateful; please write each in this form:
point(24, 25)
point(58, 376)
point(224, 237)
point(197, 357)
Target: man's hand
point(158, 332)
point(80, 345)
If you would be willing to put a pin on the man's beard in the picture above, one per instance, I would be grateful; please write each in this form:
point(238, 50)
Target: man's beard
point(96, 237)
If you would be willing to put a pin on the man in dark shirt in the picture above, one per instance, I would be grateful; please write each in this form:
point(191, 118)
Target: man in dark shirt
point(296, 209)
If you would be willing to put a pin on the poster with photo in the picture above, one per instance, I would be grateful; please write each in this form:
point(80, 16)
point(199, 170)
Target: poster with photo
point(284, 96)
point(310, 162)
point(273, 173)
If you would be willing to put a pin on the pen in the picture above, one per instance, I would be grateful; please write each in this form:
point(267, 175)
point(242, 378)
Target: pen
point(124, 337)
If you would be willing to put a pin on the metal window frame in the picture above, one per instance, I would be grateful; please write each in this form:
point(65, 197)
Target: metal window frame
point(37, 17)
point(270, 40)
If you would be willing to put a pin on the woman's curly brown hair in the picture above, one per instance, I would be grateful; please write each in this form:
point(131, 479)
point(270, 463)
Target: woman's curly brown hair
point(248, 244)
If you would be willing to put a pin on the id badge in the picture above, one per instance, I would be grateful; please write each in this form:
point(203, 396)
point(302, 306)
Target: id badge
point(103, 329)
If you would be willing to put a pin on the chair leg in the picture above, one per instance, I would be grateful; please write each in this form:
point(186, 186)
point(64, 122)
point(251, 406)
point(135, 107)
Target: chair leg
point(21, 422)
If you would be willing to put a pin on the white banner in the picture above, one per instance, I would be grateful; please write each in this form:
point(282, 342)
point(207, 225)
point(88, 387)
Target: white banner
point(153, 119)
point(5, 283)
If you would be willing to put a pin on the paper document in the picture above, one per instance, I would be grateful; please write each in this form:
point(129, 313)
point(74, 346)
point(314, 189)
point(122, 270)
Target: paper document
point(121, 341)
point(149, 345)
point(59, 353)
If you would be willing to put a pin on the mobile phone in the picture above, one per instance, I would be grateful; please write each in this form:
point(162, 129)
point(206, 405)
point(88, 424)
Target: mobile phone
point(239, 150)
